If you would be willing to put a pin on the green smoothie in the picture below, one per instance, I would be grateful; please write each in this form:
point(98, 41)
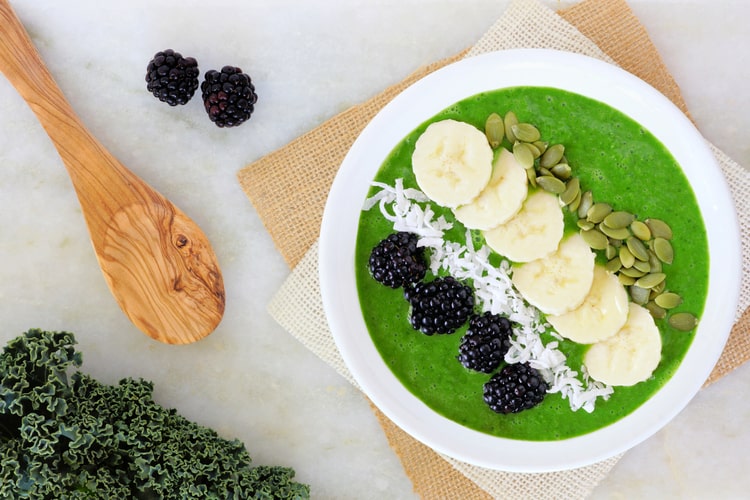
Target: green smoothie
point(623, 165)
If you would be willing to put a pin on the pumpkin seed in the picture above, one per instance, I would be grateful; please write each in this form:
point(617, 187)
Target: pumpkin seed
point(572, 188)
point(615, 243)
point(611, 251)
point(639, 295)
point(640, 230)
point(552, 155)
point(614, 265)
point(534, 150)
point(663, 249)
point(584, 224)
point(637, 248)
point(598, 212)
point(523, 155)
point(651, 280)
point(550, 184)
point(531, 175)
point(595, 239)
point(526, 132)
point(494, 130)
point(618, 233)
point(626, 257)
point(573, 206)
point(668, 300)
point(683, 321)
point(619, 220)
point(654, 261)
point(625, 279)
point(656, 311)
point(541, 146)
point(587, 199)
point(508, 122)
point(562, 171)
point(543, 171)
point(659, 228)
point(642, 265)
point(632, 272)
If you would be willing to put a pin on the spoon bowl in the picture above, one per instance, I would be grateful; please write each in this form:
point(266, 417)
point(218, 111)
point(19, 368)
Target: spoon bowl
point(157, 262)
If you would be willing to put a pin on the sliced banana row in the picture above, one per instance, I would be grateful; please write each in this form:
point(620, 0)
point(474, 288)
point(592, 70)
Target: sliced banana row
point(453, 165)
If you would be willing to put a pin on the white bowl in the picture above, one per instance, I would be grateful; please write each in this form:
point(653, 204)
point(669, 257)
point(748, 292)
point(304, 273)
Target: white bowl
point(542, 68)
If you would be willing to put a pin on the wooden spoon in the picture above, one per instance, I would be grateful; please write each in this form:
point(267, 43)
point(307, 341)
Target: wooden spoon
point(157, 262)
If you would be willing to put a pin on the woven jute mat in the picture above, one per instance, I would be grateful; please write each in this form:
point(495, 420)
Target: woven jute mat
point(291, 207)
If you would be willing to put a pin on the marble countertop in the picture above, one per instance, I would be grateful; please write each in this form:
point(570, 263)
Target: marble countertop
point(309, 60)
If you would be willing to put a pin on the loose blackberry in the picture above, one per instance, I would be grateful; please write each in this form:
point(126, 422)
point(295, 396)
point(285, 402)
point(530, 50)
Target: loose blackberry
point(397, 261)
point(515, 388)
point(439, 306)
point(172, 78)
point(485, 343)
point(228, 96)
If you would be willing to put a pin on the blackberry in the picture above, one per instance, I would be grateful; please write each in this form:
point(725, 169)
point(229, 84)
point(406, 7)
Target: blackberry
point(439, 306)
point(515, 388)
point(172, 78)
point(228, 96)
point(485, 343)
point(397, 261)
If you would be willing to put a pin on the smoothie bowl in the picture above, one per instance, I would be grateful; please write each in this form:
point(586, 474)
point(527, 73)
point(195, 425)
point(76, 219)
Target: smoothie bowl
point(521, 264)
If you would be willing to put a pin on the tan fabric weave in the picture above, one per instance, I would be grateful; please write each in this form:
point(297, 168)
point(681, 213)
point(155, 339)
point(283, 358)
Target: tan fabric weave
point(606, 29)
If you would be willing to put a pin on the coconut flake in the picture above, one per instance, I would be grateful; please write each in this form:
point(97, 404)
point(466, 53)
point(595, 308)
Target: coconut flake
point(494, 292)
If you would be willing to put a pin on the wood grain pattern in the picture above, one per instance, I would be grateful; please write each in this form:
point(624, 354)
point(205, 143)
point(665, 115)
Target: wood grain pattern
point(157, 262)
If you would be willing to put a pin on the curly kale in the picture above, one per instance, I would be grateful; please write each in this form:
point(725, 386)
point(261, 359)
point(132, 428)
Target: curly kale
point(65, 435)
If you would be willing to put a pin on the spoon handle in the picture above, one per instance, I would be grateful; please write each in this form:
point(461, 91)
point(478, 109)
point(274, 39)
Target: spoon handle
point(23, 66)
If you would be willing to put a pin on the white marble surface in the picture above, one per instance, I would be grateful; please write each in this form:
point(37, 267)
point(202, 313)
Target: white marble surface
point(309, 60)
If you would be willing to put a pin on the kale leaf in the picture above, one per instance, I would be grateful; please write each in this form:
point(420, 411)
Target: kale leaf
point(63, 434)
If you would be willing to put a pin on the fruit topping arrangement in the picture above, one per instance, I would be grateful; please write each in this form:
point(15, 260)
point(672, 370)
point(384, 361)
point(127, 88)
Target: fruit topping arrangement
point(228, 95)
point(570, 267)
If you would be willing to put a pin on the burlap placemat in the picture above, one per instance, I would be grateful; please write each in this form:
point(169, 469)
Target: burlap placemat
point(606, 29)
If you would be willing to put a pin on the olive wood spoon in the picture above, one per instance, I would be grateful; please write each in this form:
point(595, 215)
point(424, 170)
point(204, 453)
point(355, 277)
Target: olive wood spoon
point(156, 261)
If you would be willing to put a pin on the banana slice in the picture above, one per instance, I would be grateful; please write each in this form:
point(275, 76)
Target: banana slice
point(452, 162)
point(559, 282)
point(501, 199)
point(631, 355)
point(534, 232)
point(602, 314)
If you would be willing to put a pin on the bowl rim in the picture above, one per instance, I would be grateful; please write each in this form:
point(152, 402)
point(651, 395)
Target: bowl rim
point(425, 98)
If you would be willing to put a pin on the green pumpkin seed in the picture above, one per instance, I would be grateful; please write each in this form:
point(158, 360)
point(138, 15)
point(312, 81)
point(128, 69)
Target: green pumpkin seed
point(494, 130)
point(573, 206)
point(625, 279)
point(668, 300)
point(659, 228)
point(584, 225)
point(595, 239)
point(531, 175)
point(611, 251)
point(656, 311)
point(651, 280)
point(523, 155)
point(663, 249)
point(552, 155)
point(587, 199)
point(534, 150)
point(619, 219)
point(572, 188)
point(508, 122)
point(637, 248)
point(640, 230)
point(598, 212)
point(639, 295)
point(654, 261)
point(632, 272)
point(541, 146)
point(526, 132)
point(550, 184)
point(617, 233)
point(543, 171)
point(642, 265)
point(626, 257)
point(614, 265)
point(562, 171)
point(683, 321)
point(615, 243)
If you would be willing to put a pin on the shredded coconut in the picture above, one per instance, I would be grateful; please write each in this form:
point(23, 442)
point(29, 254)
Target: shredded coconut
point(409, 210)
